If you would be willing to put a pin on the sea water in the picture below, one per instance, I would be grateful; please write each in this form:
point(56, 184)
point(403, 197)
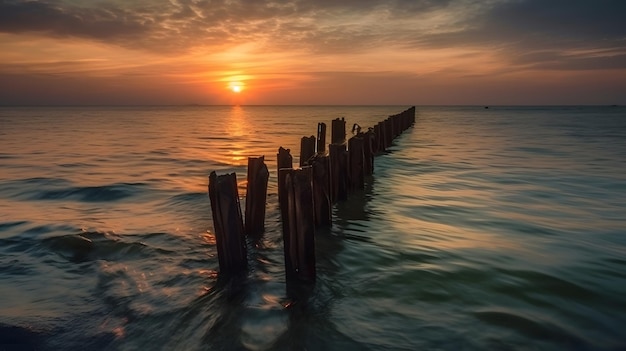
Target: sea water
point(481, 228)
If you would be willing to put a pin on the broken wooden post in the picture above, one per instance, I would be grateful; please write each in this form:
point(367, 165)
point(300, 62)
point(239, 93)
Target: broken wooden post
point(338, 131)
point(299, 239)
point(229, 233)
point(338, 172)
point(356, 162)
point(307, 149)
point(321, 138)
point(322, 205)
point(256, 195)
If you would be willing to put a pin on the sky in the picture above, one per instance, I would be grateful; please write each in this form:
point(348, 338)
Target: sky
point(396, 52)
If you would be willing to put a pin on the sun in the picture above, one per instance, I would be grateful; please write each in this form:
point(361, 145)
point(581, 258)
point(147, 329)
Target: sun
point(235, 87)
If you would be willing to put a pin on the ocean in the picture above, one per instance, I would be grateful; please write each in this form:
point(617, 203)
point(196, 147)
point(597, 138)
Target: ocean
point(500, 228)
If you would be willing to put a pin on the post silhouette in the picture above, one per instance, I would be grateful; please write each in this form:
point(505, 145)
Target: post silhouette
point(229, 232)
point(307, 149)
point(256, 196)
point(356, 161)
point(299, 241)
point(322, 204)
point(321, 138)
point(338, 131)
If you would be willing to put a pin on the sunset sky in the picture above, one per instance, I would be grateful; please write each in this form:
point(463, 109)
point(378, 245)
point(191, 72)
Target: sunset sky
point(403, 52)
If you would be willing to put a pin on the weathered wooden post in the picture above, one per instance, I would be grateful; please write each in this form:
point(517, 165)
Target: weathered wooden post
point(284, 165)
point(368, 152)
point(256, 195)
point(338, 131)
point(395, 121)
point(321, 138)
point(284, 160)
point(299, 241)
point(338, 172)
point(379, 134)
point(388, 133)
point(307, 149)
point(229, 233)
point(322, 204)
point(356, 161)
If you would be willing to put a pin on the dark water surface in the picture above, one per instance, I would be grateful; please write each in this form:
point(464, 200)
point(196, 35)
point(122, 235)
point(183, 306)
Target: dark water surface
point(500, 228)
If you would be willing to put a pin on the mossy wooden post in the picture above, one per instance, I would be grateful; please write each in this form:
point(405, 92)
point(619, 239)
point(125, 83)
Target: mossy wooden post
point(355, 163)
point(321, 138)
point(256, 196)
point(300, 239)
point(229, 233)
point(307, 149)
point(322, 205)
point(338, 131)
point(338, 172)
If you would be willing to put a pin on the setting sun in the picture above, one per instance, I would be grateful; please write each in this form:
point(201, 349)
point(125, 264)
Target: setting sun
point(235, 87)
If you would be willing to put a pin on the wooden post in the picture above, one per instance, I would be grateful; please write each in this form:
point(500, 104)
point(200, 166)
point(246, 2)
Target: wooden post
point(338, 132)
point(307, 149)
point(379, 131)
point(284, 160)
point(395, 127)
point(322, 204)
point(356, 162)
point(388, 133)
point(300, 240)
point(368, 152)
point(256, 195)
point(338, 171)
point(229, 233)
point(285, 164)
point(321, 138)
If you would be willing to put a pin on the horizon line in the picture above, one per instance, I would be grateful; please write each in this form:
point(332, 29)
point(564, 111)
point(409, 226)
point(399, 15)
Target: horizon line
point(301, 105)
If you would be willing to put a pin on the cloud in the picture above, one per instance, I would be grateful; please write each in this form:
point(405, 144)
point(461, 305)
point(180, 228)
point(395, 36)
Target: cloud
point(52, 19)
point(202, 42)
point(545, 34)
point(185, 24)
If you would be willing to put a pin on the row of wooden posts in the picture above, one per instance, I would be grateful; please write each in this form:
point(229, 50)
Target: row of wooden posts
point(305, 194)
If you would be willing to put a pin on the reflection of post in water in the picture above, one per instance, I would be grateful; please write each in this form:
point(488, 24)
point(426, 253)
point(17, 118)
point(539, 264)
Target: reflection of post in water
point(221, 310)
point(354, 212)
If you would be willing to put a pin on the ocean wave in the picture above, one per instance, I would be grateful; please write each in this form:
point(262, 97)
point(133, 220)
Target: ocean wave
point(91, 246)
point(532, 327)
point(104, 193)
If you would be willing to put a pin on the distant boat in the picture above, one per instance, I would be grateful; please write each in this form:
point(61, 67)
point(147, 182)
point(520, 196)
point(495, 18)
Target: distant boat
point(486, 107)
